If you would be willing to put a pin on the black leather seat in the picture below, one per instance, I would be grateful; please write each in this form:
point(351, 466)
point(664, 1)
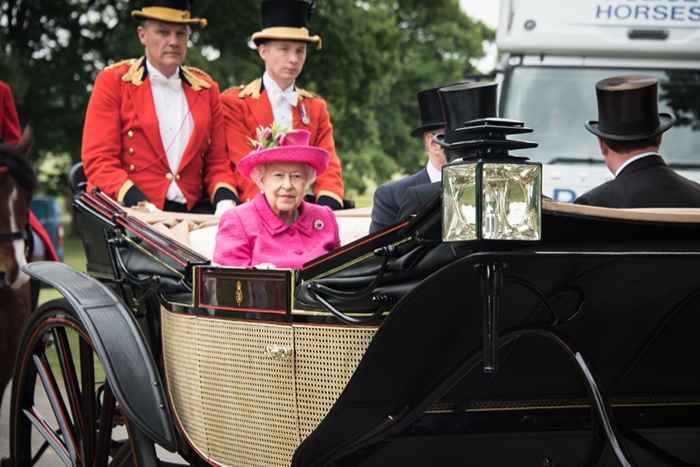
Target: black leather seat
point(77, 178)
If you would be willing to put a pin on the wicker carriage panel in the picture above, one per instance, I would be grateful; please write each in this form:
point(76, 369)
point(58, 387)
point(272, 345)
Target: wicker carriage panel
point(242, 391)
point(179, 341)
point(326, 358)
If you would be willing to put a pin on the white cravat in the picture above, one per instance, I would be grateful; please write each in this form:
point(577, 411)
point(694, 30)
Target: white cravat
point(434, 174)
point(281, 101)
point(635, 158)
point(174, 121)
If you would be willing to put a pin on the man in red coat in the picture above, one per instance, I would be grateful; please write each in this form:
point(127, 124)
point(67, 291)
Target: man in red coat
point(276, 99)
point(154, 129)
point(10, 131)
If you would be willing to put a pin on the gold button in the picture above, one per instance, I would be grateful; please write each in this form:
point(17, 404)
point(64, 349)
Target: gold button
point(132, 167)
point(130, 134)
point(169, 176)
point(177, 177)
point(131, 151)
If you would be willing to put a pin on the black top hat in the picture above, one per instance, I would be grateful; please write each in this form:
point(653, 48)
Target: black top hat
point(286, 20)
point(170, 11)
point(430, 112)
point(628, 109)
point(464, 102)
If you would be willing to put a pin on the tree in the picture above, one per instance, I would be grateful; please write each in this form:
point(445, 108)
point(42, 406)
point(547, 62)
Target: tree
point(376, 56)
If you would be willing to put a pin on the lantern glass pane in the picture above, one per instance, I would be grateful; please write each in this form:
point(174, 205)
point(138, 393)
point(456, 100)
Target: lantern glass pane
point(459, 203)
point(511, 202)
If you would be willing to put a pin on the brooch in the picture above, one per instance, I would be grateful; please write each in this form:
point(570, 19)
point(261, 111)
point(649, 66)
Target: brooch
point(318, 224)
point(304, 116)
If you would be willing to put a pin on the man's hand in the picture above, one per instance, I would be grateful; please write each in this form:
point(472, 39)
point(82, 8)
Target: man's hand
point(223, 206)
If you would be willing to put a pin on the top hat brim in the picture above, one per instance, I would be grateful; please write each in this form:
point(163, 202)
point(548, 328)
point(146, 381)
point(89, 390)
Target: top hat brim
point(666, 121)
point(418, 132)
point(168, 15)
point(286, 34)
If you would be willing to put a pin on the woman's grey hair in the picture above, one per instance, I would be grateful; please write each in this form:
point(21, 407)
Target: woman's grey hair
point(258, 172)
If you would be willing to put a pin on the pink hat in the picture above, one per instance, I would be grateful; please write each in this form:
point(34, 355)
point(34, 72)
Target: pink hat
point(292, 146)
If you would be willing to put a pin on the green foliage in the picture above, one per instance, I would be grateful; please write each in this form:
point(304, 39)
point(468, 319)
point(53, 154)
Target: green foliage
point(376, 55)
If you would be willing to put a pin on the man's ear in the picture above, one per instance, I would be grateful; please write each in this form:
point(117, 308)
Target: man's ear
point(262, 51)
point(427, 140)
point(141, 33)
point(604, 148)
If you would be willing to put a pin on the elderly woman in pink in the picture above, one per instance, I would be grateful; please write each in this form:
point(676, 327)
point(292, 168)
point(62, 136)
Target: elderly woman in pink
point(278, 228)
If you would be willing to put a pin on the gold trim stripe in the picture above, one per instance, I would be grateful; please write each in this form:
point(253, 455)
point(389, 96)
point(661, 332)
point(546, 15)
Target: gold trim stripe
point(123, 190)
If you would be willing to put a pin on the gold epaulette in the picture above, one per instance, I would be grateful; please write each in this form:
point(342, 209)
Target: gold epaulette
point(128, 61)
point(197, 78)
point(134, 74)
point(251, 89)
point(305, 93)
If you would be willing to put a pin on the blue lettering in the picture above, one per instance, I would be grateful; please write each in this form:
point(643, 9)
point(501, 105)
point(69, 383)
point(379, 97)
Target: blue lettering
point(569, 195)
point(626, 8)
point(641, 11)
point(660, 12)
point(694, 13)
point(681, 13)
point(600, 11)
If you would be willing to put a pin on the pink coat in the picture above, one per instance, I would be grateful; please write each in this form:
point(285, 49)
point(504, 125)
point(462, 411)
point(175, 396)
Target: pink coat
point(252, 233)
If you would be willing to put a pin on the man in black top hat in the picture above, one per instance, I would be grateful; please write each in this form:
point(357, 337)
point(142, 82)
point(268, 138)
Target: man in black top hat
point(629, 132)
point(460, 103)
point(388, 197)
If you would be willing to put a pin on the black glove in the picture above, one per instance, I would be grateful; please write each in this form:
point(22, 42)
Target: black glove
point(332, 203)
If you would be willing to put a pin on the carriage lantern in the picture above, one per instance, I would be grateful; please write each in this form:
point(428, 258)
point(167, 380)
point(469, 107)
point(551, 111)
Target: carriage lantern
point(487, 193)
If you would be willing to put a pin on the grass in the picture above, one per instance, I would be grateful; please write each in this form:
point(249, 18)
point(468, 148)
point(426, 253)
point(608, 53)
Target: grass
point(74, 257)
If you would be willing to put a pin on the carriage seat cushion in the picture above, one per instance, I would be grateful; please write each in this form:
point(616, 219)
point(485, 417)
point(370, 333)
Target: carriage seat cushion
point(198, 231)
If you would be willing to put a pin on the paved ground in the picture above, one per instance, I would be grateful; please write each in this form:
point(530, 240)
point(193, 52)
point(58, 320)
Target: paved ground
point(49, 460)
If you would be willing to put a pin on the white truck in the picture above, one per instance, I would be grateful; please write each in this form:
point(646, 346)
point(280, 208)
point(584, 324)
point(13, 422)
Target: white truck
point(551, 54)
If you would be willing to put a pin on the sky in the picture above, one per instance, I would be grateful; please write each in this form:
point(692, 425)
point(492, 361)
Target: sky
point(487, 12)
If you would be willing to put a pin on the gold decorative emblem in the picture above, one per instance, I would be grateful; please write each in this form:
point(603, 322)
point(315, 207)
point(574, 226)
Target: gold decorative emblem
point(239, 293)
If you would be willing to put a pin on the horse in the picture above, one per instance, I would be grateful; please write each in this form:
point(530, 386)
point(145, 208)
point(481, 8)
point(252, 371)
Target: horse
point(17, 183)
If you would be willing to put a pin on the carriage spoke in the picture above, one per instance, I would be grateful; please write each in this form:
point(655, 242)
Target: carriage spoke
point(104, 441)
point(49, 436)
point(59, 408)
point(40, 452)
point(87, 383)
point(70, 378)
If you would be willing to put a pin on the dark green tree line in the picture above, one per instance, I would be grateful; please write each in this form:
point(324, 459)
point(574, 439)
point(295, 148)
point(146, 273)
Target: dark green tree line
point(377, 54)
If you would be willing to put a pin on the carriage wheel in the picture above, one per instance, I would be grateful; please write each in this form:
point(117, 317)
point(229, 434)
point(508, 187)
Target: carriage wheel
point(81, 424)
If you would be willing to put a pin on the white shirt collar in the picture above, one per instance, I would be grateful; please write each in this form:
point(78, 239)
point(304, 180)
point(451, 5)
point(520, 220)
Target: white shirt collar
point(160, 78)
point(635, 158)
point(274, 91)
point(434, 174)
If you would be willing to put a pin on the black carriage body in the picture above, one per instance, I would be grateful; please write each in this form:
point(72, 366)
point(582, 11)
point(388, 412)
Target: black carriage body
point(402, 349)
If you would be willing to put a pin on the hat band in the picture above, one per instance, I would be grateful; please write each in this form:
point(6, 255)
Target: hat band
point(287, 33)
point(165, 12)
point(629, 128)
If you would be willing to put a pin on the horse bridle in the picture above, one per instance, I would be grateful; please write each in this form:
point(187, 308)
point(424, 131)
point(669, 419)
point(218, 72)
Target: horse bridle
point(23, 234)
point(18, 235)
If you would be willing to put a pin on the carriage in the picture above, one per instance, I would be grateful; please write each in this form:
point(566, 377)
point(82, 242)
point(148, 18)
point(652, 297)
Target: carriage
point(399, 348)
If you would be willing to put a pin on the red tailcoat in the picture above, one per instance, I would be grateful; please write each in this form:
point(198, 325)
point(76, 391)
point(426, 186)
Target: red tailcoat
point(247, 107)
point(10, 131)
point(122, 146)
